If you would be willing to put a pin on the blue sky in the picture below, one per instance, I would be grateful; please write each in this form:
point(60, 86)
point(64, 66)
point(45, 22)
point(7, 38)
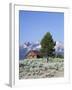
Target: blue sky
point(34, 24)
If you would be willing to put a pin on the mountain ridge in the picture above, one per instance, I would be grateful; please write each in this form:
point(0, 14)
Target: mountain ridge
point(27, 46)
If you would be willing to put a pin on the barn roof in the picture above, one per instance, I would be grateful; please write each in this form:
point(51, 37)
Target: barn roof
point(35, 51)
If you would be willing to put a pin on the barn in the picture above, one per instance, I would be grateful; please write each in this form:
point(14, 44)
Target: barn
point(33, 54)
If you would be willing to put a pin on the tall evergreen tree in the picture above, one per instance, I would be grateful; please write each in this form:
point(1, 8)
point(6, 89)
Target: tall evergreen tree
point(47, 45)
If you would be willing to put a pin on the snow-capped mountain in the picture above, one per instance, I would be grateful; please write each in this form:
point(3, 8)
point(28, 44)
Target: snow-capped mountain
point(59, 47)
point(27, 46)
point(32, 46)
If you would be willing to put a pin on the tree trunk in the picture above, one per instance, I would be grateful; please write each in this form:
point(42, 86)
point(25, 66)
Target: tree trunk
point(47, 59)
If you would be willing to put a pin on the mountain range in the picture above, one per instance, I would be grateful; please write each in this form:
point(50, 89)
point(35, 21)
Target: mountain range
point(27, 46)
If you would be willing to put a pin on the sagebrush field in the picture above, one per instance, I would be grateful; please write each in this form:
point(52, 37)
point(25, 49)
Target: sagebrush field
point(40, 68)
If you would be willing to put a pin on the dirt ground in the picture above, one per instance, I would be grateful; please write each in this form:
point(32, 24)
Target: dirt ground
point(59, 73)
